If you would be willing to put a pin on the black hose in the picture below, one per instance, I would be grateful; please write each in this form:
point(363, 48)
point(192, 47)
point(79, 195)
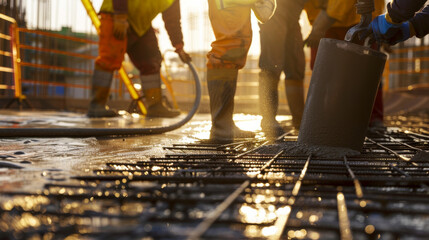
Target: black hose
point(104, 132)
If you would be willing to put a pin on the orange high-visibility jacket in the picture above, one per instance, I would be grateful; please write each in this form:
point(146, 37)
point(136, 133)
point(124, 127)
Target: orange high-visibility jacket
point(344, 11)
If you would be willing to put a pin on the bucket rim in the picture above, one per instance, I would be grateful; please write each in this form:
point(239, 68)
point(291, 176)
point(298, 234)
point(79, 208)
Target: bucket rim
point(349, 46)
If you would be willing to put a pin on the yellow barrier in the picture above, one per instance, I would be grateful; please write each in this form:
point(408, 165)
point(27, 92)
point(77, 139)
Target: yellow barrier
point(122, 74)
point(16, 57)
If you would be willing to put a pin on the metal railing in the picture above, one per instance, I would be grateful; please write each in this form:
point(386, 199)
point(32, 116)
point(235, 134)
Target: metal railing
point(34, 56)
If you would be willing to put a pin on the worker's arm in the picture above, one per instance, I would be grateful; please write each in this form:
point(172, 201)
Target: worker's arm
point(401, 22)
point(172, 22)
point(420, 22)
point(320, 25)
point(404, 10)
point(335, 11)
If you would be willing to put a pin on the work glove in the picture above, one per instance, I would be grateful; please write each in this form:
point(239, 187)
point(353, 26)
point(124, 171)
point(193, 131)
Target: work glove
point(184, 56)
point(120, 26)
point(322, 23)
point(383, 30)
point(264, 10)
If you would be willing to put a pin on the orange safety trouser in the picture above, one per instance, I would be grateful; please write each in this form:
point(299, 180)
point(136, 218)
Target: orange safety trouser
point(233, 31)
point(339, 33)
point(111, 50)
point(142, 50)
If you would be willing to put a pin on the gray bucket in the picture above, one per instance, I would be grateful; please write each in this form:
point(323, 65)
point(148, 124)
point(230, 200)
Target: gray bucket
point(342, 92)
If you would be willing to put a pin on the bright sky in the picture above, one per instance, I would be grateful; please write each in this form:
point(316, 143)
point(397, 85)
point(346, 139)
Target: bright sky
point(197, 33)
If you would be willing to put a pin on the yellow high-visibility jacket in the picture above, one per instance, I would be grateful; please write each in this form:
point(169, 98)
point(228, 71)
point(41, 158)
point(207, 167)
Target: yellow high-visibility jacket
point(140, 12)
point(344, 11)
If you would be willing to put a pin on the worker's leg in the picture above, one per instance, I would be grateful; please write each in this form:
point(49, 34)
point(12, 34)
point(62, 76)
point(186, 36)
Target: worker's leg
point(295, 69)
point(281, 50)
point(268, 103)
point(111, 55)
point(377, 115)
point(144, 53)
point(295, 98)
point(221, 84)
point(271, 62)
point(233, 34)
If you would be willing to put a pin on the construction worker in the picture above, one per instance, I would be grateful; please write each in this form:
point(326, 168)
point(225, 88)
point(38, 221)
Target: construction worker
point(282, 50)
point(401, 22)
point(332, 19)
point(126, 28)
point(230, 20)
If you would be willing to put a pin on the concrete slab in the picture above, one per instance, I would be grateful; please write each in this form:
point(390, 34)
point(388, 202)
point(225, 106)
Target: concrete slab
point(171, 195)
point(29, 163)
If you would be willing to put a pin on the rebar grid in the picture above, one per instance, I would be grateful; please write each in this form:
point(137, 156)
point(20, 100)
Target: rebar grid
point(233, 192)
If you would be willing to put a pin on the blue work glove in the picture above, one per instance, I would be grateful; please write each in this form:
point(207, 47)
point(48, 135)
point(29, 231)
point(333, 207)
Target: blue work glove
point(385, 31)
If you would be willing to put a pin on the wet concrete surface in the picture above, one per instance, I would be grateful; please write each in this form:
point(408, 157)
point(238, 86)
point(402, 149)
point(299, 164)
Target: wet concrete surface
point(29, 163)
point(74, 188)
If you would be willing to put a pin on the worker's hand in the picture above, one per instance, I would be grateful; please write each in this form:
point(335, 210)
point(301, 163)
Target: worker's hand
point(322, 23)
point(120, 26)
point(383, 30)
point(314, 38)
point(184, 56)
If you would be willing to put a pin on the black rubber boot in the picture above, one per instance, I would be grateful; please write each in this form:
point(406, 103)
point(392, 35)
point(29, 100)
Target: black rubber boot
point(221, 85)
point(156, 107)
point(295, 98)
point(268, 104)
point(101, 81)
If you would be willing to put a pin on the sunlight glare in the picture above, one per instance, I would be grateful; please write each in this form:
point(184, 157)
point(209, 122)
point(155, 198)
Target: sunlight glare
point(269, 231)
point(137, 86)
point(248, 122)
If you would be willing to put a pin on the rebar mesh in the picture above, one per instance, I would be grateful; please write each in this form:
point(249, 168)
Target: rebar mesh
point(234, 192)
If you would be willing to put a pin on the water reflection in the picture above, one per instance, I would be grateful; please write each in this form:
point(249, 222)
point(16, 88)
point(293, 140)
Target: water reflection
point(257, 214)
point(269, 231)
point(248, 122)
point(26, 203)
point(298, 234)
point(369, 229)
